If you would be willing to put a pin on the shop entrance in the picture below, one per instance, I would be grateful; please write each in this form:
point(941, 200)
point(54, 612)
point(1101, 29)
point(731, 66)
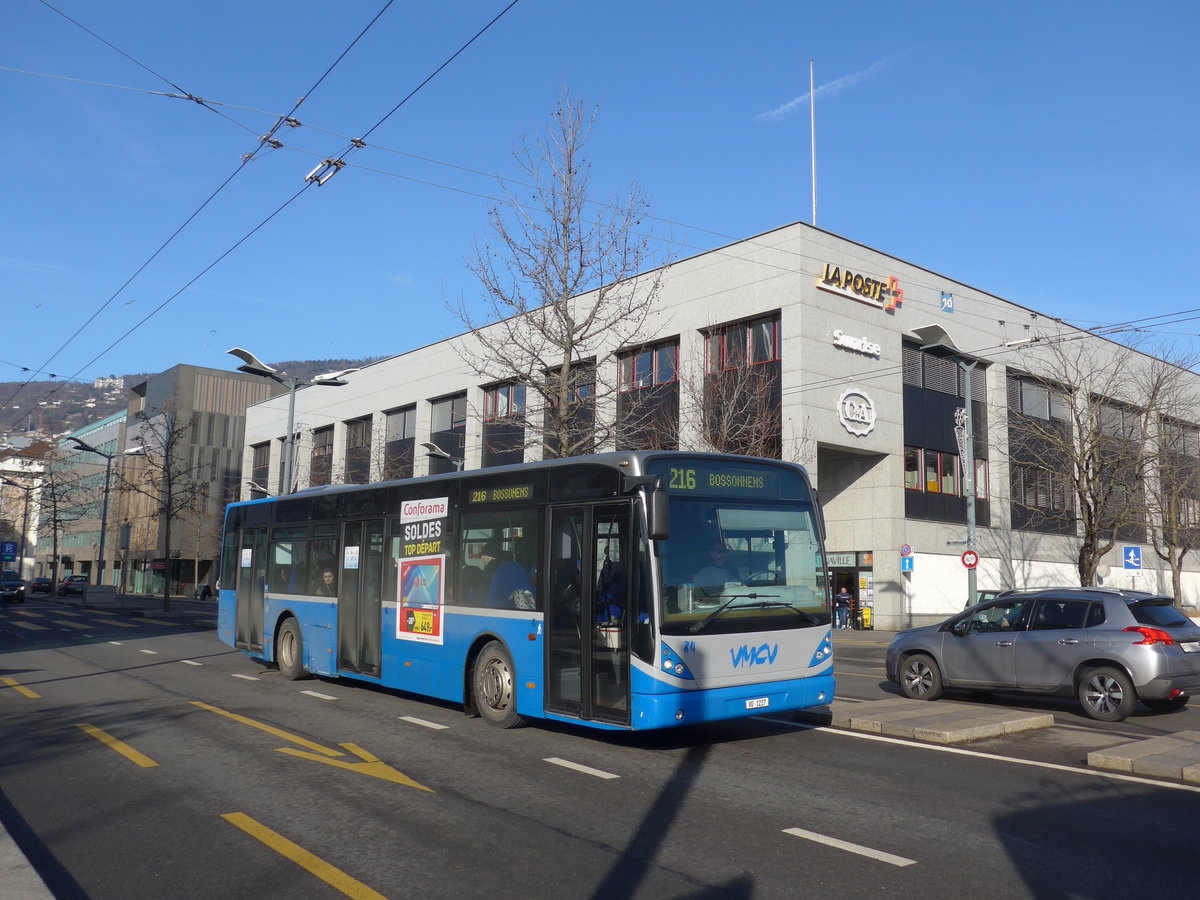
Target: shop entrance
point(855, 571)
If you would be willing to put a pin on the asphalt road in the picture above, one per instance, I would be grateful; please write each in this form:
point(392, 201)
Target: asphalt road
point(153, 761)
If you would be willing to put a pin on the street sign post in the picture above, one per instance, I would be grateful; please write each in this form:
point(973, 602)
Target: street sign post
point(1132, 558)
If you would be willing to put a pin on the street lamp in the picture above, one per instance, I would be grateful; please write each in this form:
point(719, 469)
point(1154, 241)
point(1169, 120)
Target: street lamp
point(937, 340)
point(108, 459)
point(28, 489)
point(433, 450)
point(252, 365)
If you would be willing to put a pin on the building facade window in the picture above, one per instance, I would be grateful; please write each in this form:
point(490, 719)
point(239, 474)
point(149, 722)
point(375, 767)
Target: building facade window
point(1040, 471)
point(750, 343)
point(321, 459)
point(934, 389)
point(937, 472)
point(358, 451)
point(503, 424)
point(448, 430)
point(742, 405)
point(400, 432)
point(504, 401)
point(648, 366)
point(260, 466)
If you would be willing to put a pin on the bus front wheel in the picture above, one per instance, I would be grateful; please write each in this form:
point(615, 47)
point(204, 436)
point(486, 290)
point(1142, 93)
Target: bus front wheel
point(493, 681)
point(289, 651)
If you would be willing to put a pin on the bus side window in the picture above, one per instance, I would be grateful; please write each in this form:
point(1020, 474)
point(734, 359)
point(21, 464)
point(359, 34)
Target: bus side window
point(497, 566)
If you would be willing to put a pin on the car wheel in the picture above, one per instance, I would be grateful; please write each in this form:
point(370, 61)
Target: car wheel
point(289, 651)
point(1107, 694)
point(1175, 704)
point(493, 681)
point(920, 678)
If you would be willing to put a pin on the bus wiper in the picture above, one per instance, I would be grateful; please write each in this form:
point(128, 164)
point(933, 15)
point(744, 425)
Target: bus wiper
point(703, 623)
point(784, 604)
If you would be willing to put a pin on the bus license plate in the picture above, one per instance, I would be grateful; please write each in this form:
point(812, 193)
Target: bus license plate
point(758, 703)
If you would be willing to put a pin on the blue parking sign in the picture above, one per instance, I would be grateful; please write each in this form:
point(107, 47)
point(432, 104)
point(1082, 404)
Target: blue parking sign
point(1132, 557)
point(8, 551)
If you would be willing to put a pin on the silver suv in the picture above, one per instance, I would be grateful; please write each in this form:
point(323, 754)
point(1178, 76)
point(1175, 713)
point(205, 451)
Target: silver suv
point(1110, 648)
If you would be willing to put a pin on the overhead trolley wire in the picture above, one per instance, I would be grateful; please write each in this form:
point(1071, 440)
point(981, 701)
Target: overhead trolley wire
point(262, 141)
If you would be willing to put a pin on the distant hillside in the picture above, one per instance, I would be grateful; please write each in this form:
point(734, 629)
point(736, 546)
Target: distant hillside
point(54, 407)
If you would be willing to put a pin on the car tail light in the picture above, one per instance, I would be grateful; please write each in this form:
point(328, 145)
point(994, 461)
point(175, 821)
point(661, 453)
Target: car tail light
point(1151, 635)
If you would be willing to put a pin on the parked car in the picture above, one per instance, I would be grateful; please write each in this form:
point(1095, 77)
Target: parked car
point(72, 584)
point(39, 586)
point(1110, 648)
point(983, 596)
point(12, 588)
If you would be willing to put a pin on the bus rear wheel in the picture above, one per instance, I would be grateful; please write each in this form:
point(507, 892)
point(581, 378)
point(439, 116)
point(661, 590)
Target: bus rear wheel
point(493, 682)
point(289, 651)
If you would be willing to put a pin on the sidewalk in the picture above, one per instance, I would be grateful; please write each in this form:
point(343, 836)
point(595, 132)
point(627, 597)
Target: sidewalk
point(18, 879)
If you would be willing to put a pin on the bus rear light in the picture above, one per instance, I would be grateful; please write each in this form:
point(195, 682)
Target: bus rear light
point(1150, 635)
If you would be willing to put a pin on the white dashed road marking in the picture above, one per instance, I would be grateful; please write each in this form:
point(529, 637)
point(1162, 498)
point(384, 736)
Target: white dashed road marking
point(423, 722)
point(586, 770)
point(319, 696)
point(888, 858)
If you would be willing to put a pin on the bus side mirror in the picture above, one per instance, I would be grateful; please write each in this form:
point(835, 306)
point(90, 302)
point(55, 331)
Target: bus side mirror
point(658, 515)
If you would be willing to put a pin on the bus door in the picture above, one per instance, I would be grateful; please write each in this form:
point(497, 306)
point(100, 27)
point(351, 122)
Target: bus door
point(587, 629)
point(251, 577)
point(359, 592)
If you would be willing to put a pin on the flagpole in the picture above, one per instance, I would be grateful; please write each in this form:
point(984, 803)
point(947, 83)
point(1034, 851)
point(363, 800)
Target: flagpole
point(812, 125)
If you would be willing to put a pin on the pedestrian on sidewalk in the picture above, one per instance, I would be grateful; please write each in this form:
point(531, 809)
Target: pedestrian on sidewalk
point(842, 604)
point(205, 591)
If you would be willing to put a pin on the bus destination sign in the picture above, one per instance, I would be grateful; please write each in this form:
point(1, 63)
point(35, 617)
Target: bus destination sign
point(696, 477)
point(500, 494)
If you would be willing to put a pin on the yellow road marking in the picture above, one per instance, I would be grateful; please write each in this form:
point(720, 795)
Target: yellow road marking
point(31, 626)
point(25, 612)
point(370, 765)
point(270, 729)
point(21, 689)
point(70, 624)
point(115, 622)
point(330, 874)
point(119, 745)
point(159, 622)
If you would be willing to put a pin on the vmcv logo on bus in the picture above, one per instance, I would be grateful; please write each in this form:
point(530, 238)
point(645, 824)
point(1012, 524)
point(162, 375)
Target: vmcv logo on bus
point(753, 656)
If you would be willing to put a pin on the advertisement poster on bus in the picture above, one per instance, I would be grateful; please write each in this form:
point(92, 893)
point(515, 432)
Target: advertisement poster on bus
point(422, 594)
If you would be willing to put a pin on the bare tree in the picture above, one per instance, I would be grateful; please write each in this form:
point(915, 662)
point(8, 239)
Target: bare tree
point(1083, 437)
point(568, 282)
point(170, 483)
point(66, 495)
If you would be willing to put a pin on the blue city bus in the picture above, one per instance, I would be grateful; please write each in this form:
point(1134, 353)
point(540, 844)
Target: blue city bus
point(629, 590)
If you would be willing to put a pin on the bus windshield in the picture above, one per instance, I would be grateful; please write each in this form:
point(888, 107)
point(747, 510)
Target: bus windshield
point(734, 566)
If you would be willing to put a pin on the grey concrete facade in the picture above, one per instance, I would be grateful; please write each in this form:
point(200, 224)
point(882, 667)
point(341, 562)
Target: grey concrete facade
point(843, 406)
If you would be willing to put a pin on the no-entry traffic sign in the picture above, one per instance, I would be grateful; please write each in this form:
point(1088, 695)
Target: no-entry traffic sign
point(970, 559)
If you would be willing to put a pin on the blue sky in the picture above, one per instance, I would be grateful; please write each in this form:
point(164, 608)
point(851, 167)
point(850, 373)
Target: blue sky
point(1043, 151)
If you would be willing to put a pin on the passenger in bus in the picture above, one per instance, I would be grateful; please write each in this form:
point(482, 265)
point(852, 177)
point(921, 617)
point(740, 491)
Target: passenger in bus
point(282, 582)
point(711, 579)
point(326, 586)
point(508, 584)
